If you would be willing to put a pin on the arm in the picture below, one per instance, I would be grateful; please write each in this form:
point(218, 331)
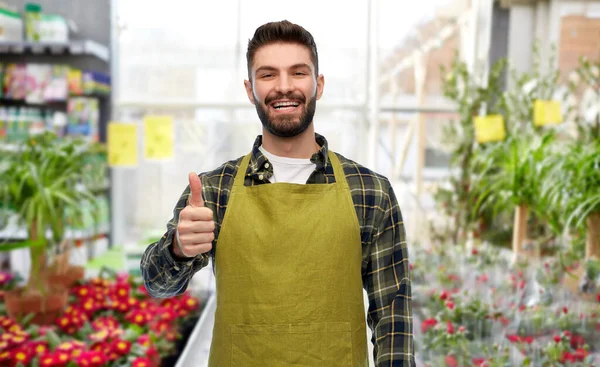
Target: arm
point(387, 282)
point(164, 273)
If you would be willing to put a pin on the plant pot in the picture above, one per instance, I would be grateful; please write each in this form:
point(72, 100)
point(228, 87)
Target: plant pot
point(46, 308)
point(67, 278)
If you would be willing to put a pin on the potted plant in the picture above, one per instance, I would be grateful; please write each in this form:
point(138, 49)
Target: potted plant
point(465, 88)
point(508, 177)
point(41, 181)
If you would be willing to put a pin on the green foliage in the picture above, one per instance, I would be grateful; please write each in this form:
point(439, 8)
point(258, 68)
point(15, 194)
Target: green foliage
point(464, 88)
point(42, 181)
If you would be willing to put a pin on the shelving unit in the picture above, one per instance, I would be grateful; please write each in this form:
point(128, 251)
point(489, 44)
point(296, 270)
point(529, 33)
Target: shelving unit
point(74, 48)
point(81, 54)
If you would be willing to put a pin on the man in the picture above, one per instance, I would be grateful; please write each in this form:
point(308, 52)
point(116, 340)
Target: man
point(295, 232)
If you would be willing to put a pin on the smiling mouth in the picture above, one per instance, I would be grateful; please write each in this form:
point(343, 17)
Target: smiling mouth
point(285, 106)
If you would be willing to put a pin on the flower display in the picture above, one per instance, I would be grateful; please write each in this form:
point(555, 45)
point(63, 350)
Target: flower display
point(476, 308)
point(109, 321)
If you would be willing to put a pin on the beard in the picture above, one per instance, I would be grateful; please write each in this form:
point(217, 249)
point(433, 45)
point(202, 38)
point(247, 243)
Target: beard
point(286, 126)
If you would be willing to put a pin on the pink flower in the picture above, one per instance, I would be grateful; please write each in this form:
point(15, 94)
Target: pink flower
point(451, 361)
point(450, 305)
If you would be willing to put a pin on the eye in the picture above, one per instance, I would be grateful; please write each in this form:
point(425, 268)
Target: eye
point(266, 76)
point(299, 73)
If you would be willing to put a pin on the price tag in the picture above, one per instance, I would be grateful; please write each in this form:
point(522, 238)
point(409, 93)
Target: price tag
point(158, 137)
point(546, 113)
point(122, 145)
point(489, 128)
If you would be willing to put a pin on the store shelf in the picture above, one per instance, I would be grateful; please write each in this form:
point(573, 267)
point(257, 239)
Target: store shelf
point(86, 47)
point(197, 347)
point(15, 233)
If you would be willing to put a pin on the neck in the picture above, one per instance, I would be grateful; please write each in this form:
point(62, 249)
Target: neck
point(299, 146)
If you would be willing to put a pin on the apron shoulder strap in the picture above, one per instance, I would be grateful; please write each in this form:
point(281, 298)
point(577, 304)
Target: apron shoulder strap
point(241, 172)
point(338, 171)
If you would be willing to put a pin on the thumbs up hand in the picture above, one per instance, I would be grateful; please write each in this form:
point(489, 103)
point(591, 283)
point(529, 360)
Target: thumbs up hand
point(195, 229)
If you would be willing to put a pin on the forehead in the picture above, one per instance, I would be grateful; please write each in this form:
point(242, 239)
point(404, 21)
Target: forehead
point(282, 56)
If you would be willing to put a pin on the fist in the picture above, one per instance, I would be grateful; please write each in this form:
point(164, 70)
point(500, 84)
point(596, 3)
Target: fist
point(195, 229)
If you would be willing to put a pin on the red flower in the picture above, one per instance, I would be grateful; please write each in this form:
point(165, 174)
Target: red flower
point(190, 303)
point(450, 305)
point(141, 362)
point(121, 347)
point(427, 324)
point(528, 339)
point(49, 360)
point(449, 327)
point(121, 290)
point(557, 338)
point(451, 361)
point(514, 338)
point(91, 359)
point(22, 356)
point(565, 309)
point(6, 322)
point(142, 290)
point(479, 362)
point(444, 295)
point(139, 317)
point(144, 340)
point(580, 354)
point(577, 341)
point(598, 297)
point(504, 321)
point(38, 348)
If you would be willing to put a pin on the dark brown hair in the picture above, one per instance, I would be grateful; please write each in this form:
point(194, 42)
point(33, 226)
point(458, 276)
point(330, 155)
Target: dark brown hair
point(283, 31)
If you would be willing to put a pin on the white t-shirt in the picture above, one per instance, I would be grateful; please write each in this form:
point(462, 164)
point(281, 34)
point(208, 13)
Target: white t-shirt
point(289, 170)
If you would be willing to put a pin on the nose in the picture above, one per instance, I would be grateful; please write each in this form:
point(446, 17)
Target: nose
point(284, 84)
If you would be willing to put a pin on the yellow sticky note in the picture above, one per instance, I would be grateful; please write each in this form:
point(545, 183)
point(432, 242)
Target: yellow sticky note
point(489, 128)
point(122, 144)
point(158, 137)
point(546, 112)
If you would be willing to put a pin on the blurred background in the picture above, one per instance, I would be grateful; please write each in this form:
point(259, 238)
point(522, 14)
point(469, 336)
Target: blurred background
point(483, 114)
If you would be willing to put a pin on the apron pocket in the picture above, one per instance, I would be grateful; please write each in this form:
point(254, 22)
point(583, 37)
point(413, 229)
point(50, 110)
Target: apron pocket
point(308, 345)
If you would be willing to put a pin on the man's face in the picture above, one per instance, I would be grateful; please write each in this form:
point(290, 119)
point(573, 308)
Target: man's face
point(284, 88)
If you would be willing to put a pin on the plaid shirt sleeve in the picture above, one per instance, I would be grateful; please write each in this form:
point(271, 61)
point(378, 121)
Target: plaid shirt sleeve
point(388, 286)
point(164, 275)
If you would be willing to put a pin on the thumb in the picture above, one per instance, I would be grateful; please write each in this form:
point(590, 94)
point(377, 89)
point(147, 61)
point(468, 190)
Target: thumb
point(195, 191)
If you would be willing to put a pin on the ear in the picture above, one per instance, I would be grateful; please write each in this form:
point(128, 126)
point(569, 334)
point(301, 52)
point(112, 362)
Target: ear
point(320, 85)
point(249, 93)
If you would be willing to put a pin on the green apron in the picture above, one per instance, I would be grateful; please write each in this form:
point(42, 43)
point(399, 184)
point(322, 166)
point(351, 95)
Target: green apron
point(288, 277)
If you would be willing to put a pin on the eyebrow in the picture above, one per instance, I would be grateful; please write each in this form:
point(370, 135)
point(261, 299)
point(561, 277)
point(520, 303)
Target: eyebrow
point(295, 66)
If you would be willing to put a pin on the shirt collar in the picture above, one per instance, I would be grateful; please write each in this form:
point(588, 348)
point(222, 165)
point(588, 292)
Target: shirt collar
point(256, 166)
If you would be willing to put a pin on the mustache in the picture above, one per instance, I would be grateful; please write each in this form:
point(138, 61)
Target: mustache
point(294, 97)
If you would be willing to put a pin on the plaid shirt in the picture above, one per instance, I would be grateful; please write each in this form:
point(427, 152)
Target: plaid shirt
point(385, 266)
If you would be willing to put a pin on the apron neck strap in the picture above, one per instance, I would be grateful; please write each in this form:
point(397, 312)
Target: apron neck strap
point(240, 176)
point(338, 171)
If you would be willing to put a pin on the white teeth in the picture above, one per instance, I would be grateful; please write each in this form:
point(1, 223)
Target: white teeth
point(285, 104)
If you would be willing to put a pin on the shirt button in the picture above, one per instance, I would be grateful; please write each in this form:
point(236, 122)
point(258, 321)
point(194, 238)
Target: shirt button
point(261, 177)
point(267, 165)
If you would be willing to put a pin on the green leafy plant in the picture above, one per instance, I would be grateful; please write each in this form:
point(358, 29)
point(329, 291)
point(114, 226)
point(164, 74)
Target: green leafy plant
point(508, 177)
point(41, 181)
point(463, 86)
